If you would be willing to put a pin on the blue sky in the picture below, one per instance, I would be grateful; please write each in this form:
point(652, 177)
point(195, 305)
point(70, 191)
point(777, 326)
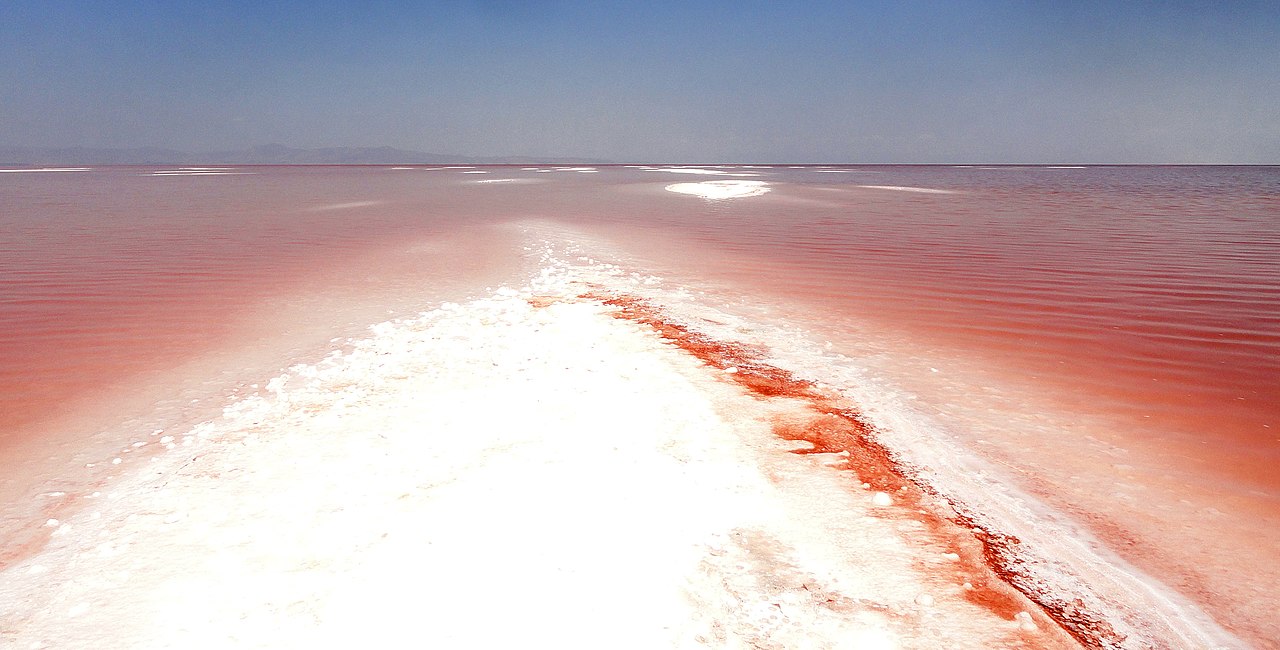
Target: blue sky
point(654, 81)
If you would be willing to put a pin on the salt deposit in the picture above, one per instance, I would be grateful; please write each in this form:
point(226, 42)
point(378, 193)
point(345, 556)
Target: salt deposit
point(697, 170)
point(716, 190)
point(527, 457)
point(900, 188)
point(198, 171)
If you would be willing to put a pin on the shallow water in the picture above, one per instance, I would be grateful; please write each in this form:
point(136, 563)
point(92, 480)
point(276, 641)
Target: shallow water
point(113, 273)
point(1109, 334)
point(1152, 293)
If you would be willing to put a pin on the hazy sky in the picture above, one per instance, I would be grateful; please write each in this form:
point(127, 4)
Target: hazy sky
point(649, 80)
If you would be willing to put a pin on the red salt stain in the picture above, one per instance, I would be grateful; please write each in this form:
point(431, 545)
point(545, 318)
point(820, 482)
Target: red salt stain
point(539, 302)
point(989, 556)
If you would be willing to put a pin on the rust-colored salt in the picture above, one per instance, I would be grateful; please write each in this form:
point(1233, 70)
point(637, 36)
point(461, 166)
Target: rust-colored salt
point(986, 558)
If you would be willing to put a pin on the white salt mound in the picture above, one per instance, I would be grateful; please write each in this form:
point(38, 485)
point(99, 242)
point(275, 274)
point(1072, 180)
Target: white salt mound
point(716, 190)
point(494, 474)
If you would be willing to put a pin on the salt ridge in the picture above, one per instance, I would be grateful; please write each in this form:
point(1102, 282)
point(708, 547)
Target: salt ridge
point(525, 452)
point(187, 522)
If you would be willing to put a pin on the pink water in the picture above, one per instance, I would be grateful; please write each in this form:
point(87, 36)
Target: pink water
point(1113, 333)
point(114, 273)
point(1150, 294)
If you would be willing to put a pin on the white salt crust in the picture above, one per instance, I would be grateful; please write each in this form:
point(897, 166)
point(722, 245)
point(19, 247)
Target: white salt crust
point(495, 474)
point(716, 190)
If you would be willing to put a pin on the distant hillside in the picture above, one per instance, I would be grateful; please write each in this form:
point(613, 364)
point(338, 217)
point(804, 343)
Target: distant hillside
point(270, 154)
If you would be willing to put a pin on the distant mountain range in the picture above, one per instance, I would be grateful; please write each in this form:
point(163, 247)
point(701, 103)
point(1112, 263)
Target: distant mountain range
point(270, 154)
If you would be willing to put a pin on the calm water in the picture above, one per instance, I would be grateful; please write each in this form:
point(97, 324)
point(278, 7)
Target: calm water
point(109, 274)
point(1095, 327)
point(1147, 294)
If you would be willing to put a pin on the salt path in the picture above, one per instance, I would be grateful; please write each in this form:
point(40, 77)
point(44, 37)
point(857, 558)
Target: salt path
point(548, 465)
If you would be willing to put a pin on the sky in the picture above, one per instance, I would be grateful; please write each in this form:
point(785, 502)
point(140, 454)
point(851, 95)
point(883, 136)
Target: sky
point(654, 81)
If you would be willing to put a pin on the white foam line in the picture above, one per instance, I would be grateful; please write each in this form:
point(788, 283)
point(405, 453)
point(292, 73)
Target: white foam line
point(697, 170)
point(194, 173)
point(476, 171)
point(344, 206)
point(903, 188)
point(717, 190)
point(46, 169)
point(1065, 167)
point(690, 170)
point(187, 171)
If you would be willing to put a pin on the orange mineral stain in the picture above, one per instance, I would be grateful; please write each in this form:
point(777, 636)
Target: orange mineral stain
point(987, 559)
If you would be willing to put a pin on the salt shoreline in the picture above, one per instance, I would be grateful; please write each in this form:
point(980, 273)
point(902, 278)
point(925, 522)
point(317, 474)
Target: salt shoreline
point(530, 457)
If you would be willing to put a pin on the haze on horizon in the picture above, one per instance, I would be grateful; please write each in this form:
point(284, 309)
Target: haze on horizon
point(827, 82)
